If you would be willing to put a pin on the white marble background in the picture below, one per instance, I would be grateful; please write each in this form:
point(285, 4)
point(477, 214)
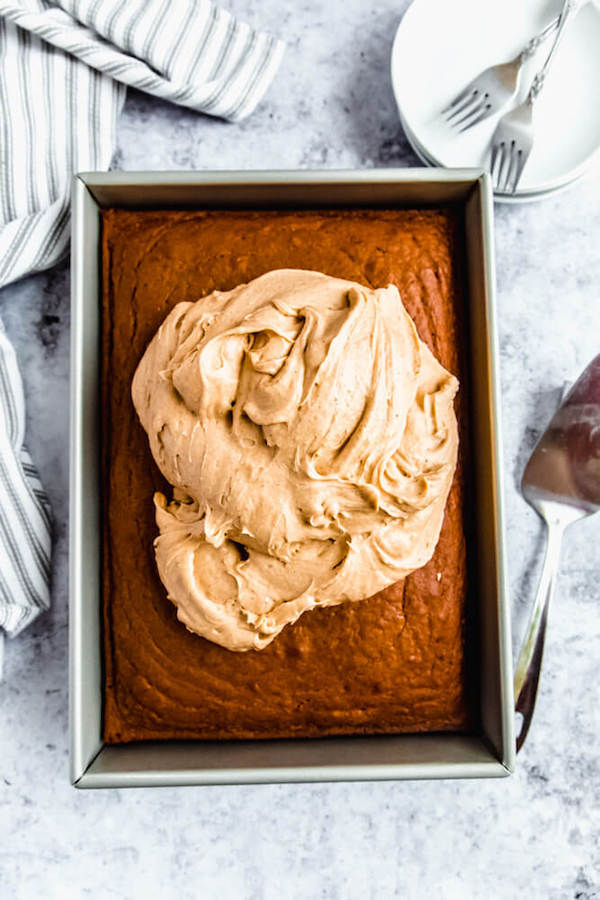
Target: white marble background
point(534, 835)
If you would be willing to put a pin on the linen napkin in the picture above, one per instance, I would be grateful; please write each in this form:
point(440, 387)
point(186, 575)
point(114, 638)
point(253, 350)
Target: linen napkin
point(64, 68)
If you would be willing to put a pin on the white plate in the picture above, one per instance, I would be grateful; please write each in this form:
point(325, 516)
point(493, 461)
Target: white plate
point(522, 197)
point(440, 46)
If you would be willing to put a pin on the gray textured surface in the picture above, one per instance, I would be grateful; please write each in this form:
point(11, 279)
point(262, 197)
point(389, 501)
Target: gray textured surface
point(536, 834)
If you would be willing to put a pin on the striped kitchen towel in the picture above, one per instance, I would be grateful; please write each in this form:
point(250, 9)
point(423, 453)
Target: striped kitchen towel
point(24, 510)
point(64, 68)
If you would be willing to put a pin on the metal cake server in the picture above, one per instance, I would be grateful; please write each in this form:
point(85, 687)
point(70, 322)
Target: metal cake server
point(562, 483)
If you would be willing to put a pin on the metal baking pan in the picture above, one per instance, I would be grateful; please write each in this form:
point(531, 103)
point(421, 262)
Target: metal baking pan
point(490, 753)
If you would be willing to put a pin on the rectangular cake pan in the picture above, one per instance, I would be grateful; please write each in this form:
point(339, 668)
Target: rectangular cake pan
point(489, 753)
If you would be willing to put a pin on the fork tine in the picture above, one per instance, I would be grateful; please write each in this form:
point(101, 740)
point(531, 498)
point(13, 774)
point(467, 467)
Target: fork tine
point(512, 169)
point(465, 110)
point(484, 111)
point(501, 173)
point(500, 154)
point(470, 115)
point(503, 178)
point(493, 158)
point(521, 160)
point(511, 163)
point(459, 97)
point(468, 101)
point(496, 161)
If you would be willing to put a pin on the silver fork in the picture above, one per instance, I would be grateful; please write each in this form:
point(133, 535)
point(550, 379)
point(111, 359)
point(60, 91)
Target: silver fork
point(512, 140)
point(493, 88)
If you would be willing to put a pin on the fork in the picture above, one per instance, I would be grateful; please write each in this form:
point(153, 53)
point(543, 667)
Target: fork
point(512, 141)
point(489, 91)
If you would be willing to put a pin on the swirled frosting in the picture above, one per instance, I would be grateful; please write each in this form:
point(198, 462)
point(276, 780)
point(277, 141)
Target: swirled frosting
point(310, 439)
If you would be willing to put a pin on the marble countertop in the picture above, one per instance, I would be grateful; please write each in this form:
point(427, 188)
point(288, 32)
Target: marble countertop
point(536, 833)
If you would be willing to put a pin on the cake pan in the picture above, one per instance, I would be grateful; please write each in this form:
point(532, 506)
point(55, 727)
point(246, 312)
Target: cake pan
point(488, 753)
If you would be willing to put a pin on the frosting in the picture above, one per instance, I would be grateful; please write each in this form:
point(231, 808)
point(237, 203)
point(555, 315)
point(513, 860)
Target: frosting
point(310, 439)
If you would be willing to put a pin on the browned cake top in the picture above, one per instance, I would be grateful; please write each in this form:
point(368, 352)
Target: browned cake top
point(393, 663)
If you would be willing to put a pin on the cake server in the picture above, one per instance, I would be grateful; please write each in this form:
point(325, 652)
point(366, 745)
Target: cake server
point(562, 483)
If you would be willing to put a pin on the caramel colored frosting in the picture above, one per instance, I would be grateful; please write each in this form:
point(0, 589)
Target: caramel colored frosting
point(311, 441)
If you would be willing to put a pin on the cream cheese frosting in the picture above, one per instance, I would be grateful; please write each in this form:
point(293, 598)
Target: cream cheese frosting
point(311, 441)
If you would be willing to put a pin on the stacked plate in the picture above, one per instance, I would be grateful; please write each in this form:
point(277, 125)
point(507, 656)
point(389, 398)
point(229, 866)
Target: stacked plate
point(440, 46)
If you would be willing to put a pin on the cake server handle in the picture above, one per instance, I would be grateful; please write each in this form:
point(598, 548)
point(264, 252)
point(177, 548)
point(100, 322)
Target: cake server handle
point(529, 666)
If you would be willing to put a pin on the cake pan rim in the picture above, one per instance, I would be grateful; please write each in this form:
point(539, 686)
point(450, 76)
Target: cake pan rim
point(84, 187)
